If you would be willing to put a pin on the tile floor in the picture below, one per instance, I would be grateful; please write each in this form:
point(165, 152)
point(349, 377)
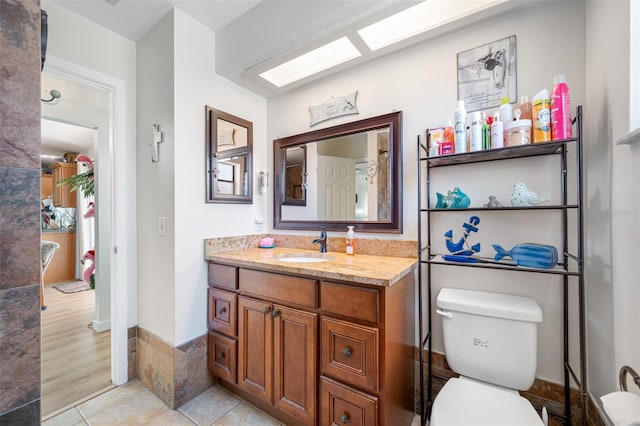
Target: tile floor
point(135, 404)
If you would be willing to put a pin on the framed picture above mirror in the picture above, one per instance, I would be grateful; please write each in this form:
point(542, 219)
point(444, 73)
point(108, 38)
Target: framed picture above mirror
point(228, 149)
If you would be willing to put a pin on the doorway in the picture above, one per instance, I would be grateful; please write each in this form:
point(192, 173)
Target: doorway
point(112, 277)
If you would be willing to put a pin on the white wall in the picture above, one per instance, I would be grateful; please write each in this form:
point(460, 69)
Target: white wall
point(197, 85)
point(421, 81)
point(613, 293)
point(176, 80)
point(156, 191)
point(89, 46)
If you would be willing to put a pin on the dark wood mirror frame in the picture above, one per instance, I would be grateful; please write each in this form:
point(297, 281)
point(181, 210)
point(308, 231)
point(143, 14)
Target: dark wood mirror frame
point(393, 121)
point(216, 155)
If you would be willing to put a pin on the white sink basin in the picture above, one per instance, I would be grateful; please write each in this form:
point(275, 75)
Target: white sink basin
point(304, 258)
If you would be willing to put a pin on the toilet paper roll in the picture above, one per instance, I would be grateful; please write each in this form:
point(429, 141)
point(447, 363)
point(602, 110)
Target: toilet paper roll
point(623, 408)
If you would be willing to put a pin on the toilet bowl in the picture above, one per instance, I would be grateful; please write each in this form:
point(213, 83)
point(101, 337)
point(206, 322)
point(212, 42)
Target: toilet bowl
point(490, 339)
point(464, 401)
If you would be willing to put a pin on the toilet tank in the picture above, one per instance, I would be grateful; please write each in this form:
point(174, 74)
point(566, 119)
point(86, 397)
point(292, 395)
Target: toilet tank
point(490, 336)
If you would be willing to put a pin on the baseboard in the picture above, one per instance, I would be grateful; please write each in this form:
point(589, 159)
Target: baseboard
point(101, 326)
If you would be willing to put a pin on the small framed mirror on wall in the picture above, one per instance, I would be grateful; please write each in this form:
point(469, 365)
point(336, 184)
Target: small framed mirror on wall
point(229, 149)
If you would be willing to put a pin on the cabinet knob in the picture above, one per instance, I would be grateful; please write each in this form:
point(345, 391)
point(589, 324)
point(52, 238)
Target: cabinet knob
point(276, 313)
point(220, 355)
point(344, 418)
point(346, 352)
point(266, 310)
point(222, 310)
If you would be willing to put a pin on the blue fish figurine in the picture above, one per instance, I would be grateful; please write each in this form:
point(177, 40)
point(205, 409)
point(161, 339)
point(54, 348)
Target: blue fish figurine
point(530, 255)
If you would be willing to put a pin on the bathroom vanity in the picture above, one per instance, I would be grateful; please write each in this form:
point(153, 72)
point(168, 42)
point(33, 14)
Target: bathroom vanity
point(319, 342)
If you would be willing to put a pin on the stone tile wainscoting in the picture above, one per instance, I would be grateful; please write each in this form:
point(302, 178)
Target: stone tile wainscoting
point(20, 212)
point(174, 374)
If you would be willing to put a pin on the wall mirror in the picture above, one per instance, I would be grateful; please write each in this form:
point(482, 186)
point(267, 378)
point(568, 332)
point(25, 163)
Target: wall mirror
point(348, 174)
point(229, 146)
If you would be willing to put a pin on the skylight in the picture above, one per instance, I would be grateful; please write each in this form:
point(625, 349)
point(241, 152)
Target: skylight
point(320, 59)
point(417, 19)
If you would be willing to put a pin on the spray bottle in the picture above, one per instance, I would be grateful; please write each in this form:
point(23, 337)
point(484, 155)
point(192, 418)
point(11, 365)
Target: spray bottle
point(560, 109)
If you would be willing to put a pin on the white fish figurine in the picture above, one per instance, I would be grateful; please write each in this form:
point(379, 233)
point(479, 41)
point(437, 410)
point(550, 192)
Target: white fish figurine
point(523, 196)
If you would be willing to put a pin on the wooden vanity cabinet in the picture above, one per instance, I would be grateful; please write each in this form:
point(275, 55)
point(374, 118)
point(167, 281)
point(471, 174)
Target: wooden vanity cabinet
point(62, 196)
point(314, 352)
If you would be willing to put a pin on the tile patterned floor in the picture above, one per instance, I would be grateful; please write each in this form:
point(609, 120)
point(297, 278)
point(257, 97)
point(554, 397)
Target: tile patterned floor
point(135, 404)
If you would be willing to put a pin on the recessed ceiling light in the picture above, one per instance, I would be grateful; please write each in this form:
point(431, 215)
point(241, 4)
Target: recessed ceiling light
point(320, 59)
point(417, 19)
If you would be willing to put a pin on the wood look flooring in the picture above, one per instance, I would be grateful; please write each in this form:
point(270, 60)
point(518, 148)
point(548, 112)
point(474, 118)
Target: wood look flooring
point(76, 361)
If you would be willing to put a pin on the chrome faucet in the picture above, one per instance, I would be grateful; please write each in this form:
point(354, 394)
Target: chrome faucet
point(322, 240)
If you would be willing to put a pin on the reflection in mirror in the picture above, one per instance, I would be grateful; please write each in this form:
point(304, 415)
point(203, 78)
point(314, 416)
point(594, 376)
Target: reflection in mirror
point(229, 144)
point(295, 176)
point(232, 176)
point(352, 177)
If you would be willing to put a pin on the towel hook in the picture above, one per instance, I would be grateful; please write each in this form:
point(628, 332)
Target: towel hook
point(623, 377)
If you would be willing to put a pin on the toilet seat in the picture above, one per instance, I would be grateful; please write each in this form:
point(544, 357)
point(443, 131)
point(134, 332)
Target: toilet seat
point(465, 401)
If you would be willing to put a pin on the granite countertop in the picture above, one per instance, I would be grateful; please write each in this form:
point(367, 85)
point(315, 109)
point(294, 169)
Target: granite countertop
point(58, 230)
point(359, 268)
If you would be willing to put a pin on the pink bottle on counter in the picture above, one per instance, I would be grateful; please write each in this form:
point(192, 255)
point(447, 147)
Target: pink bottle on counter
point(560, 109)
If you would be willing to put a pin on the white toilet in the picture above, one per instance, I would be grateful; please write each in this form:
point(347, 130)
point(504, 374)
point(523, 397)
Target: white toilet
point(490, 339)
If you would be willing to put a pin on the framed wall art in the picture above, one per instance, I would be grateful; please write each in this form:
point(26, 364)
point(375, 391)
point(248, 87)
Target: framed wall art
point(487, 73)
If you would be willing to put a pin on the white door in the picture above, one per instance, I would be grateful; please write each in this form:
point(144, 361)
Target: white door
point(336, 188)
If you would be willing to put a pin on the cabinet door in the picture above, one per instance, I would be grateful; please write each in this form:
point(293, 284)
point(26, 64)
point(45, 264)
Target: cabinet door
point(294, 357)
point(255, 348)
point(222, 356)
point(222, 311)
point(342, 405)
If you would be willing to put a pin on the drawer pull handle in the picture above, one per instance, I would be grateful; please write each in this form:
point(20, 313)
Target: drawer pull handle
point(344, 418)
point(222, 310)
point(276, 313)
point(346, 352)
point(220, 355)
point(267, 310)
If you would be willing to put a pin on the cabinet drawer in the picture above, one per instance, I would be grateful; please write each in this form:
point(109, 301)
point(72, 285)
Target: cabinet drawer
point(281, 288)
point(222, 356)
point(222, 311)
point(223, 276)
point(356, 302)
point(340, 405)
point(350, 353)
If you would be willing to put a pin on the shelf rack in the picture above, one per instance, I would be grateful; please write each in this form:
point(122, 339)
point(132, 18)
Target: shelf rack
point(571, 266)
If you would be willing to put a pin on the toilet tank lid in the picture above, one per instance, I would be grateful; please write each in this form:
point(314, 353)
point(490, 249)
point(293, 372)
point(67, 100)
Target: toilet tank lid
point(496, 305)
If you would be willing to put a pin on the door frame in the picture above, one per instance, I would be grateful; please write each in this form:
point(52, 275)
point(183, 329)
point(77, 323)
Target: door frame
point(118, 265)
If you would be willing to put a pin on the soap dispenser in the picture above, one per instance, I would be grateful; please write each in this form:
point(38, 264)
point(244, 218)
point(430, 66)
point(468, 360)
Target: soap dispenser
point(351, 240)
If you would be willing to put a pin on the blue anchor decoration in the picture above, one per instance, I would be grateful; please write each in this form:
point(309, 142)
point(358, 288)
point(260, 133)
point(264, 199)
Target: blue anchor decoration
point(462, 248)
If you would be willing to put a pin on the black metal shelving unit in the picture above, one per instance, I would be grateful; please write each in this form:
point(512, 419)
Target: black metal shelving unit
point(570, 266)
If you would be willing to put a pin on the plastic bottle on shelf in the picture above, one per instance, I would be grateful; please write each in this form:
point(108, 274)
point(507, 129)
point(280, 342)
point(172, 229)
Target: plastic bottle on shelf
point(541, 110)
point(351, 240)
point(560, 109)
point(460, 128)
point(448, 147)
point(506, 110)
point(486, 131)
point(476, 132)
point(497, 131)
point(525, 108)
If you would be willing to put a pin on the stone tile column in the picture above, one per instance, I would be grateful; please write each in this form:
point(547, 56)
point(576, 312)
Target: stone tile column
point(20, 212)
